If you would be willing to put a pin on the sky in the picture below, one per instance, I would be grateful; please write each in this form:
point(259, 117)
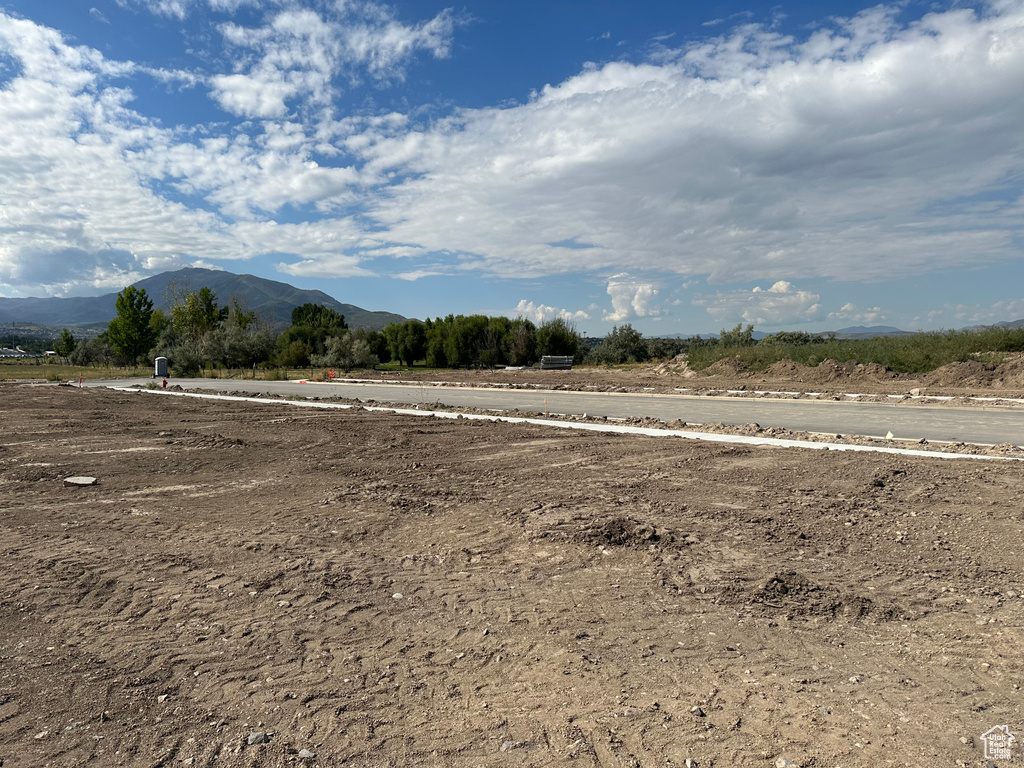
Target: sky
point(678, 166)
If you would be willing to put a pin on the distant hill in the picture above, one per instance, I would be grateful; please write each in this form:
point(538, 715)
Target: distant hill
point(1011, 324)
point(272, 300)
point(757, 335)
point(868, 332)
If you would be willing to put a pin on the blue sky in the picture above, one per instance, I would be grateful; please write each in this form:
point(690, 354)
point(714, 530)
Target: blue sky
point(678, 166)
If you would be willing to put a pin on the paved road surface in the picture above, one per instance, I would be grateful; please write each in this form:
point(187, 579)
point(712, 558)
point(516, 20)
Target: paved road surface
point(975, 424)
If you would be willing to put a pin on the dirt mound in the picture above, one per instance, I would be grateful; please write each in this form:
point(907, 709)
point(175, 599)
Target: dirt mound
point(797, 595)
point(829, 371)
point(875, 371)
point(975, 373)
point(728, 366)
point(625, 532)
point(825, 371)
point(786, 369)
point(678, 365)
point(970, 373)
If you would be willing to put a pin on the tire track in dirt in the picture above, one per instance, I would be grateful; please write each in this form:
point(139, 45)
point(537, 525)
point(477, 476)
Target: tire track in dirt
point(390, 591)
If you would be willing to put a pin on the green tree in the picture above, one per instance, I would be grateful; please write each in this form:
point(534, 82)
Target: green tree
point(312, 325)
point(407, 342)
point(245, 347)
point(737, 337)
point(65, 345)
point(559, 337)
point(196, 313)
point(521, 342)
point(623, 345)
point(318, 316)
point(463, 342)
point(437, 332)
point(94, 351)
point(159, 322)
point(239, 315)
point(346, 351)
point(130, 333)
point(291, 352)
point(376, 342)
point(493, 343)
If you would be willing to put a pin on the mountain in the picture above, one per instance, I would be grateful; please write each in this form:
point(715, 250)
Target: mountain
point(1011, 324)
point(273, 301)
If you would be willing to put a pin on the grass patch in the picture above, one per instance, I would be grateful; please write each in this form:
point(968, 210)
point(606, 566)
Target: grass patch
point(916, 353)
point(28, 370)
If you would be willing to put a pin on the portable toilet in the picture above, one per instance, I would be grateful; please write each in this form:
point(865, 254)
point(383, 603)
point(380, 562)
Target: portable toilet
point(160, 368)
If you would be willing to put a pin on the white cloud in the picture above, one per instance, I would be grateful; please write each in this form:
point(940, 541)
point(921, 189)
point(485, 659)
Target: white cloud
point(630, 298)
point(75, 161)
point(855, 314)
point(299, 54)
point(780, 304)
point(542, 313)
point(70, 202)
point(865, 150)
point(855, 154)
point(418, 274)
point(952, 316)
point(177, 9)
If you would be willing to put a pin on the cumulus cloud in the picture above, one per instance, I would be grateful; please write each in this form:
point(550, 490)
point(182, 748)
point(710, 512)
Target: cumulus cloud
point(630, 298)
point(855, 314)
point(542, 313)
point(863, 150)
point(67, 186)
point(300, 53)
point(780, 304)
point(857, 153)
point(75, 160)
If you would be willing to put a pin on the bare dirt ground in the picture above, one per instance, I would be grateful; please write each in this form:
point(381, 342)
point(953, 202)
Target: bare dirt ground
point(830, 378)
point(255, 584)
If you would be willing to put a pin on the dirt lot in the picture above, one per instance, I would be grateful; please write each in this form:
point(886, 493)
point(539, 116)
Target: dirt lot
point(384, 590)
point(960, 380)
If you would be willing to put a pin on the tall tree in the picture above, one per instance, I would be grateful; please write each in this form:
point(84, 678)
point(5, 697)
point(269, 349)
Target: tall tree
point(318, 316)
point(66, 345)
point(130, 333)
point(559, 337)
point(195, 313)
point(312, 325)
point(624, 344)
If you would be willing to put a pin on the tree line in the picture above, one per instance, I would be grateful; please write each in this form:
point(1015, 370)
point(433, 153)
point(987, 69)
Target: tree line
point(197, 332)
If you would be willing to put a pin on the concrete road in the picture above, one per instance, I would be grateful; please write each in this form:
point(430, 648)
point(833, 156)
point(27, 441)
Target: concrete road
point(977, 424)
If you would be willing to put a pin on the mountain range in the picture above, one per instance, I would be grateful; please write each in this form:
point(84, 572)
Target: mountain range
point(272, 301)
